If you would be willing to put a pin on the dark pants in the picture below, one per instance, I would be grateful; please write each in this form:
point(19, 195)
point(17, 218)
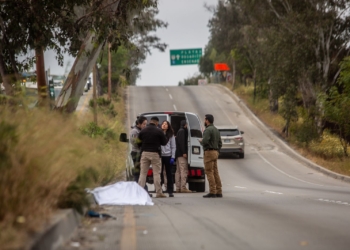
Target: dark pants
point(168, 169)
point(136, 157)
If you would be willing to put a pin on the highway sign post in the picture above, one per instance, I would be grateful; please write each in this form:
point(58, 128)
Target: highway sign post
point(185, 56)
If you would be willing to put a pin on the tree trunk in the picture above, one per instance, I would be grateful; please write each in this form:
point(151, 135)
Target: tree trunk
point(94, 92)
point(273, 102)
point(5, 79)
point(99, 84)
point(74, 86)
point(233, 73)
point(109, 72)
point(254, 79)
point(40, 74)
point(244, 80)
point(14, 67)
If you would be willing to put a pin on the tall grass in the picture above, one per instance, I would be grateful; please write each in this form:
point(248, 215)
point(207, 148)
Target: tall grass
point(46, 162)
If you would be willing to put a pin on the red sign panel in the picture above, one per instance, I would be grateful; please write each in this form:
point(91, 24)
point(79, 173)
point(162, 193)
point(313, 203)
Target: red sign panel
point(221, 67)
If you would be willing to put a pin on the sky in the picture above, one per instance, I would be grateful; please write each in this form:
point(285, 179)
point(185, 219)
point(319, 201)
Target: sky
point(187, 28)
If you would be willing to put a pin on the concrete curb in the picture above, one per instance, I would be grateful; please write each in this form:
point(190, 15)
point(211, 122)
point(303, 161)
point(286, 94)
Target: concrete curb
point(59, 230)
point(283, 144)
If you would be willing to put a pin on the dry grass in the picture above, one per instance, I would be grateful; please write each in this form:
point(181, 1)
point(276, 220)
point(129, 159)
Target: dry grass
point(326, 152)
point(42, 153)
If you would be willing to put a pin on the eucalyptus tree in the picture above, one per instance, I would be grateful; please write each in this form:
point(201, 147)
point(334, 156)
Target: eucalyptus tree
point(116, 22)
point(34, 25)
point(79, 27)
point(337, 105)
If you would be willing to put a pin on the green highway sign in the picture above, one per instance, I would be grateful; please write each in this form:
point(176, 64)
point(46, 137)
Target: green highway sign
point(185, 56)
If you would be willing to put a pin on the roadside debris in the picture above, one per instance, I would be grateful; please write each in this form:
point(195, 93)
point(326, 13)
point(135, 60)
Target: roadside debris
point(92, 213)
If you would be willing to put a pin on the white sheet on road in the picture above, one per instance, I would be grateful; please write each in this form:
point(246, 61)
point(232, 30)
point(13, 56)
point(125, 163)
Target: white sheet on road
point(122, 193)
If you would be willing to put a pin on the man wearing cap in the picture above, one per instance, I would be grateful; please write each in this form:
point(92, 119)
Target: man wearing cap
point(212, 144)
point(150, 140)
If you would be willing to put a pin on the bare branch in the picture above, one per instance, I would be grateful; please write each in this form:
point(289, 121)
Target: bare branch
point(95, 11)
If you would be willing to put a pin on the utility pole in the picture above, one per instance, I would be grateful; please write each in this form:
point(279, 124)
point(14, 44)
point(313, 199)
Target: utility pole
point(109, 72)
point(94, 95)
point(40, 74)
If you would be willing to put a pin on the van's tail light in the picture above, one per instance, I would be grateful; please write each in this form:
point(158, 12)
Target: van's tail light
point(239, 138)
point(150, 172)
point(195, 172)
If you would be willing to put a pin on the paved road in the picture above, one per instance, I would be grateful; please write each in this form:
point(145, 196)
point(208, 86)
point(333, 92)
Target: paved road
point(271, 201)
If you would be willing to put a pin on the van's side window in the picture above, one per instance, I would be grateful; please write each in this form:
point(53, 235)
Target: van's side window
point(196, 130)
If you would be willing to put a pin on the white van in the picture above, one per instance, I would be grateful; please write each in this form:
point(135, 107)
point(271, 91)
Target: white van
point(196, 175)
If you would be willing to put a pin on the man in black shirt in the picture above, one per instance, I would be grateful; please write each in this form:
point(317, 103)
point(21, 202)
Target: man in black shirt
point(181, 159)
point(150, 140)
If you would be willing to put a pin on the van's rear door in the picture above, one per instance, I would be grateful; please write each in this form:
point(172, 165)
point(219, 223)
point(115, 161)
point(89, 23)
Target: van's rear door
point(195, 150)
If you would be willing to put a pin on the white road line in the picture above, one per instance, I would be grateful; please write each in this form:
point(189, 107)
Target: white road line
point(170, 96)
point(279, 170)
point(240, 187)
point(272, 192)
point(333, 201)
point(167, 89)
point(175, 107)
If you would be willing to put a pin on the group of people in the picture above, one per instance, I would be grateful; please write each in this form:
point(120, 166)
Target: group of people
point(159, 147)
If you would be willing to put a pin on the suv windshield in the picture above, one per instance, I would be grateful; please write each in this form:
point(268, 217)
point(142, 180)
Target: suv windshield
point(229, 132)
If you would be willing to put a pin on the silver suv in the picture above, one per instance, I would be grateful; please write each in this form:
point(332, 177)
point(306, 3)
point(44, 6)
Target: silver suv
point(232, 140)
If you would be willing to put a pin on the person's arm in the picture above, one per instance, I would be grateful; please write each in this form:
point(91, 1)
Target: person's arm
point(220, 142)
point(133, 138)
point(181, 137)
point(206, 137)
point(163, 139)
point(173, 146)
point(139, 139)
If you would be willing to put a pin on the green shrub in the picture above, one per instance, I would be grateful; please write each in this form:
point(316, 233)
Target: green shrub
point(305, 132)
point(75, 194)
point(93, 130)
point(8, 139)
point(328, 147)
point(103, 102)
point(110, 111)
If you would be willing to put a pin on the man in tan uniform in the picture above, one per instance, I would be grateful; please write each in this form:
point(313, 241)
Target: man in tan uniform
point(211, 145)
point(150, 140)
point(181, 159)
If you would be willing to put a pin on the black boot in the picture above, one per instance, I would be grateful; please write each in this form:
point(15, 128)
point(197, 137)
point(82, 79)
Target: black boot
point(209, 195)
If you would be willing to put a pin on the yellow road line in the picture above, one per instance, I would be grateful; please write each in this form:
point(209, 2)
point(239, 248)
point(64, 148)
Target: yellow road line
point(128, 238)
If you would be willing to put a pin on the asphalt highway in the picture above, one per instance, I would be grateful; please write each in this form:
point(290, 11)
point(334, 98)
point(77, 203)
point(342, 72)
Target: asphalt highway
point(271, 200)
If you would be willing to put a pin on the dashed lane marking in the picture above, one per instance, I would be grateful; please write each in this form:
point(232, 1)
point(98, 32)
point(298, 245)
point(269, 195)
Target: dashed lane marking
point(170, 96)
point(175, 107)
point(272, 192)
point(335, 202)
point(240, 187)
